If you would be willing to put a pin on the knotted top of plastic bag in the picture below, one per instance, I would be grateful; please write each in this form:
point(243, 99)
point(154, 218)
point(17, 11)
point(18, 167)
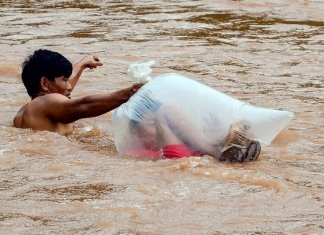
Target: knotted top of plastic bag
point(140, 72)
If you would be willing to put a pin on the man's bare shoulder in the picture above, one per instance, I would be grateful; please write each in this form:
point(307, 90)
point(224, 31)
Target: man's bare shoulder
point(18, 118)
point(37, 107)
point(44, 102)
point(50, 97)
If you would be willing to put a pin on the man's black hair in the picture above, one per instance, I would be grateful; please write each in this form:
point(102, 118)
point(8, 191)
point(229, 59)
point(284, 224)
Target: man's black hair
point(43, 63)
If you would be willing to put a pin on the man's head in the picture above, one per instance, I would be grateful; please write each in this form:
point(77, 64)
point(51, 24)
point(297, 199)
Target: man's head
point(44, 65)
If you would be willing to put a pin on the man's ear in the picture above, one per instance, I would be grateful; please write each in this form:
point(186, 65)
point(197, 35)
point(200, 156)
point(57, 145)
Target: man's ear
point(44, 84)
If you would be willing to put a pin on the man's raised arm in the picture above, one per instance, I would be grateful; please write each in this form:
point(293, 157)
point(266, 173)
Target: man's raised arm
point(90, 62)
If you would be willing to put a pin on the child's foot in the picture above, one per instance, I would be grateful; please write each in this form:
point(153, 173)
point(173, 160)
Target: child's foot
point(253, 151)
point(239, 153)
point(233, 153)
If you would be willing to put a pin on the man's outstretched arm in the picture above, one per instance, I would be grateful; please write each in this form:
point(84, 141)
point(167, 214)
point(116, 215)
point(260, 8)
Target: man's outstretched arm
point(64, 110)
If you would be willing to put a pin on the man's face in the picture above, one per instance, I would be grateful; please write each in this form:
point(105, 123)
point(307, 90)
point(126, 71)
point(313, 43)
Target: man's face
point(61, 85)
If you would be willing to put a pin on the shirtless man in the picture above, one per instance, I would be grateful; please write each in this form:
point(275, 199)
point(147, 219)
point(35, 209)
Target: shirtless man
point(49, 79)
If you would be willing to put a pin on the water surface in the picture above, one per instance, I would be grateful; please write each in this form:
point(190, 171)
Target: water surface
point(268, 53)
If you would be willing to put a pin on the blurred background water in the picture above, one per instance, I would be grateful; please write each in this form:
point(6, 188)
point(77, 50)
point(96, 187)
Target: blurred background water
point(268, 53)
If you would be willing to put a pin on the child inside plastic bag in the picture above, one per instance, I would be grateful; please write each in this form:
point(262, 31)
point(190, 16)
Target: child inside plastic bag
point(163, 132)
point(174, 116)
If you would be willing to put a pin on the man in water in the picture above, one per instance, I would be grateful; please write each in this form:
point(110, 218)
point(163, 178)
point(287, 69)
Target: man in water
point(49, 79)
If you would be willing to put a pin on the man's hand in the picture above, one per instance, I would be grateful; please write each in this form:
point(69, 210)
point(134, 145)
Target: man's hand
point(134, 88)
point(128, 92)
point(90, 62)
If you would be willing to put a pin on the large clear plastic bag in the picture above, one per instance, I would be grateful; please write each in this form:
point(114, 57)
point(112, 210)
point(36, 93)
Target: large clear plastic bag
point(172, 109)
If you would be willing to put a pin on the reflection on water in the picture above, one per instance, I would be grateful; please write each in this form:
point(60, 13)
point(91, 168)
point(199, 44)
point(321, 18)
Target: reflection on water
point(268, 53)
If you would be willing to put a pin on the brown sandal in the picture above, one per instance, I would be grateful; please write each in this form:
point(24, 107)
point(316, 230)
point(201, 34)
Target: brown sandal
point(239, 153)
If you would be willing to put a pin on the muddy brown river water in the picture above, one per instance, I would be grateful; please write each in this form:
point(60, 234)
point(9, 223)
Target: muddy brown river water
point(268, 53)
